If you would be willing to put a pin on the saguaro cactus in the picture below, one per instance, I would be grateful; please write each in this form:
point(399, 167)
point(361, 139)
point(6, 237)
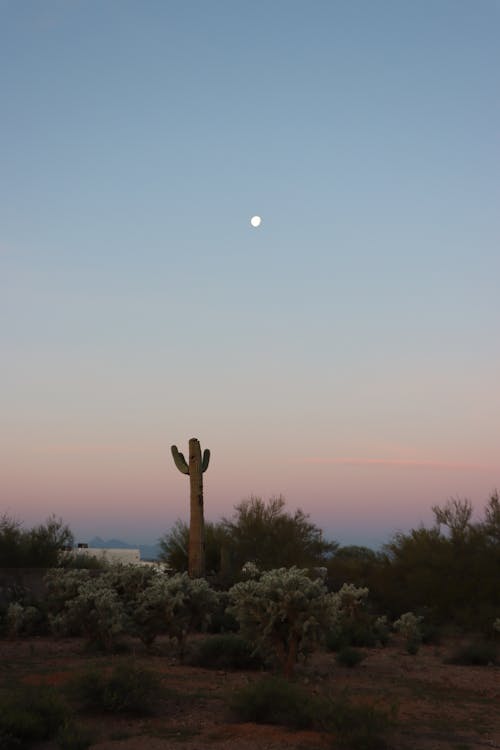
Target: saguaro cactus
point(195, 469)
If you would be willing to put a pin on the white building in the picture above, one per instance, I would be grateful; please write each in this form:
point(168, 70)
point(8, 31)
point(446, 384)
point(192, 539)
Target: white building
point(108, 554)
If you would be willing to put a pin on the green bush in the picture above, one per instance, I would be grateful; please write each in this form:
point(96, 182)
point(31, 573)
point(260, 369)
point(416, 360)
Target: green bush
point(30, 714)
point(475, 653)
point(349, 657)
point(274, 700)
point(229, 651)
point(127, 689)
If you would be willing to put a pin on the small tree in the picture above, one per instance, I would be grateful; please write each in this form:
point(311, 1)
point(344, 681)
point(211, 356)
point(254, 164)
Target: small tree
point(284, 612)
point(269, 536)
point(39, 547)
point(174, 546)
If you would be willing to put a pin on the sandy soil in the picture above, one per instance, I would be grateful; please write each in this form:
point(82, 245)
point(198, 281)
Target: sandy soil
point(438, 706)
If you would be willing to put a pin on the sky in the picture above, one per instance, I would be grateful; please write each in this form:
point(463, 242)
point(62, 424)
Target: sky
point(345, 354)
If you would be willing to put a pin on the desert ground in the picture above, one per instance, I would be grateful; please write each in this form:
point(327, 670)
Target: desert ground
point(436, 706)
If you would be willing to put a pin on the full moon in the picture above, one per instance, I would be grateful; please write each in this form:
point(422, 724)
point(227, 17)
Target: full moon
point(255, 221)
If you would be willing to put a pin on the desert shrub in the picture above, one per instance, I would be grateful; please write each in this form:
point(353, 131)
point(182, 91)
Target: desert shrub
point(381, 629)
point(229, 651)
point(71, 736)
point(409, 625)
point(62, 586)
point(39, 547)
point(480, 653)
point(30, 714)
point(354, 626)
point(357, 727)
point(129, 599)
point(274, 700)
point(82, 561)
point(284, 613)
point(192, 604)
point(349, 657)
point(99, 611)
point(127, 689)
point(356, 635)
point(21, 620)
point(154, 610)
point(221, 621)
point(452, 568)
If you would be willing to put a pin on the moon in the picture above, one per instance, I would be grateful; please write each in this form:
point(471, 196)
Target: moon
point(256, 221)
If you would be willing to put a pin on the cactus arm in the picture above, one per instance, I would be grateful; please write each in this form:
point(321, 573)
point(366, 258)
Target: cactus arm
point(179, 460)
point(206, 459)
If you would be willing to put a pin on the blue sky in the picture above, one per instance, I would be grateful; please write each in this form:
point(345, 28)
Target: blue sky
point(345, 354)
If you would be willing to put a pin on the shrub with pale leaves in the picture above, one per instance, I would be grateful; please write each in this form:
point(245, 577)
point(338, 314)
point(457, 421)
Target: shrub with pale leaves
point(21, 620)
point(352, 599)
point(193, 601)
point(95, 612)
point(409, 627)
point(284, 612)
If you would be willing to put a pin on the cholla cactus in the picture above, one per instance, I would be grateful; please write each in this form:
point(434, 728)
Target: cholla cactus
point(96, 611)
point(409, 626)
point(20, 620)
point(352, 599)
point(250, 570)
point(284, 612)
point(195, 468)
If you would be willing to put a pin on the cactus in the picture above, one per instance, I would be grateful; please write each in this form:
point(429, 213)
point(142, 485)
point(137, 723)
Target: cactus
point(195, 468)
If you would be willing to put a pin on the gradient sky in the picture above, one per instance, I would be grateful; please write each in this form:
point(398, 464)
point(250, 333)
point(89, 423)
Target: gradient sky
point(346, 354)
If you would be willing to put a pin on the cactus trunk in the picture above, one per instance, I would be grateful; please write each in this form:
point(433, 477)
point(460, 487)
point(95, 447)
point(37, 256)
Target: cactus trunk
point(196, 522)
point(195, 468)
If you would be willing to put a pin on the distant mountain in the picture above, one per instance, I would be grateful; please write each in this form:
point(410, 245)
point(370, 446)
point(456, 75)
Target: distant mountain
point(148, 551)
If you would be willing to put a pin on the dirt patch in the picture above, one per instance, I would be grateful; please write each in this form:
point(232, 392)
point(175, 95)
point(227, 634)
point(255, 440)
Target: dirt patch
point(438, 706)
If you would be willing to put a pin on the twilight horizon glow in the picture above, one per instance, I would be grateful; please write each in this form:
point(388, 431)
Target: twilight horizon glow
point(347, 357)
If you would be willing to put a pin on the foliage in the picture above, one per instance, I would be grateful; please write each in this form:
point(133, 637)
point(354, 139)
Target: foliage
point(356, 564)
point(451, 569)
point(357, 726)
point(127, 689)
point(222, 621)
point(274, 700)
point(128, 599)
point(21, 620)
point(192, 603)
point(97, 610)
point(480, 653)
point(62, 586)
point(30, 714)
point(284, 613)
point(269, 536)
point(39, 547)
point(355, 626)
point(409, 625)
point(174, 547)
point(259, 532)
point(229, 651)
